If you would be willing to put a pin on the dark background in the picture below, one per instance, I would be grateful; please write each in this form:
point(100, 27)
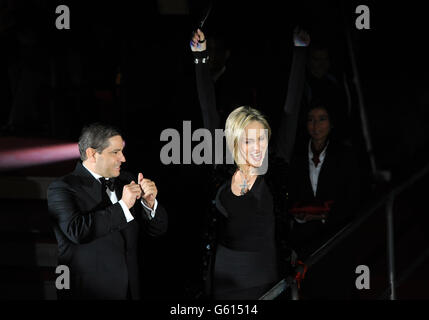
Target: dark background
point(52, 82)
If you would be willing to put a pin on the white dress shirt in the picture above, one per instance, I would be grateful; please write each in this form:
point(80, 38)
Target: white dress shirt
point(114, 199)
point(313, 169)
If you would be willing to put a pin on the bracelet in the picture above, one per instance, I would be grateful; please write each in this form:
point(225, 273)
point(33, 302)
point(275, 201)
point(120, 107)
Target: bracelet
point(202, 60)
point(199, 41)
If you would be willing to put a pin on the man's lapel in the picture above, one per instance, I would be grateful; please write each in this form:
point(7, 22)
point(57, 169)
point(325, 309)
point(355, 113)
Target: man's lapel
point(89, 184)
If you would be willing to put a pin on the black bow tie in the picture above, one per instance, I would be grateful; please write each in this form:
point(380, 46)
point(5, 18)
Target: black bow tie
point(110, 183)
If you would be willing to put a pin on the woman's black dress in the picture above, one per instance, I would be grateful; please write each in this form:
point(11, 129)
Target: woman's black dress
point(246, 259)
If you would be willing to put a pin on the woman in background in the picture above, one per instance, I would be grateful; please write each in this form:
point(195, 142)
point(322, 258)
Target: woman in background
point(324, 196)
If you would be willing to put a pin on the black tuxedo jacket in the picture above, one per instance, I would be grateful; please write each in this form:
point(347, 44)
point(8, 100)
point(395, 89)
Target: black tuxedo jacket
point(94, 239)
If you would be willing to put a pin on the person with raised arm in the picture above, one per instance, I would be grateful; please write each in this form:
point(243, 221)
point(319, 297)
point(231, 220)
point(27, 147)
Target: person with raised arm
point(247, 250)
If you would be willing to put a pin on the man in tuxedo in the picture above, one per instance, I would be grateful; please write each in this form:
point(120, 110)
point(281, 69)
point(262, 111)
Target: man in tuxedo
point(97, 234)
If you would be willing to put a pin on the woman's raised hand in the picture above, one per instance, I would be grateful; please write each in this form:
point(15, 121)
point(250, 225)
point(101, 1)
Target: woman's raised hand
point(198, 41)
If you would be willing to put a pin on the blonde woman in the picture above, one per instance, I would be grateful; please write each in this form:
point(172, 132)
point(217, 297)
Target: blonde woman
point(246, 263)
point(248, 254)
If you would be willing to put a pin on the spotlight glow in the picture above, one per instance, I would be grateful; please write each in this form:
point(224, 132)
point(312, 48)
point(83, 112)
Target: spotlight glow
point(22, 157)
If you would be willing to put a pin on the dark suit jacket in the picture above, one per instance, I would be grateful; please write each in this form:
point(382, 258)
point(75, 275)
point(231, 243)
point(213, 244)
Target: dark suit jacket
point(94, 239)
point(338, 181)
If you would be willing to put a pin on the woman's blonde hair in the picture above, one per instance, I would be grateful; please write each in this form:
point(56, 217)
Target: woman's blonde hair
point(235, 124)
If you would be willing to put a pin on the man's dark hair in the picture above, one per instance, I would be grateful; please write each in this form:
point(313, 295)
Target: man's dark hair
point(96, 135)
